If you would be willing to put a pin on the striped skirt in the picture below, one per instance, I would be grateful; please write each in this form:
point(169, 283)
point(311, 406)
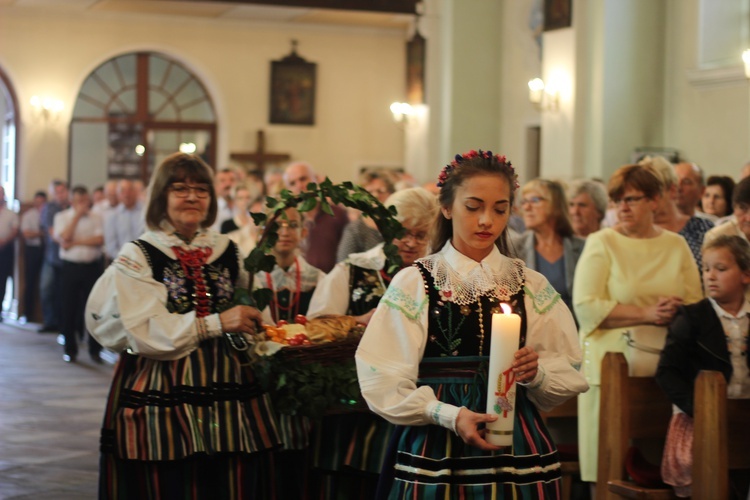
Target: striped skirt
point(433, 462)
point(187, 428)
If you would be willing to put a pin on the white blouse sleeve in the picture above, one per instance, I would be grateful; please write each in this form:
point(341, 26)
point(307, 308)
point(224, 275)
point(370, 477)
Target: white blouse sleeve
point(331, 295)
point(551, 331)
point(127, 309)
point(389, 355)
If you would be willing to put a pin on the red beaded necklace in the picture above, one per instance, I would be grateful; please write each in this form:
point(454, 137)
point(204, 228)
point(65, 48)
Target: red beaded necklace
point(192, 262)
point(295, 297)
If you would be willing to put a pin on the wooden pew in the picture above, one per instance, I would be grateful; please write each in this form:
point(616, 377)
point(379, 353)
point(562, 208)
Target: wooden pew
point(631, 408)
point(716, 418)
point(569, 468)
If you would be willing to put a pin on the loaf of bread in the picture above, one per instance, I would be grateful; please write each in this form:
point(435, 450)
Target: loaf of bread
point(329, 327)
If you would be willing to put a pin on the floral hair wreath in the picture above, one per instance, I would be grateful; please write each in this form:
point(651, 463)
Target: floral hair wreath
point(456, 163)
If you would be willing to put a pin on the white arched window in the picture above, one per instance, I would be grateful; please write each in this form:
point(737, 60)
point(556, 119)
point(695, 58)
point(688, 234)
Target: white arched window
point(131, 112)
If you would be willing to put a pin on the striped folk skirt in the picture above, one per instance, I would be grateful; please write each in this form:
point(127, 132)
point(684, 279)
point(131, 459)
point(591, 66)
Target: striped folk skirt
point(196, 427)
point(433, 462)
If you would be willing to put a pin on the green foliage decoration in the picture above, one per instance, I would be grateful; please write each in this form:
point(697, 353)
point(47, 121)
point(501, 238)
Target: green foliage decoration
point(347, 194)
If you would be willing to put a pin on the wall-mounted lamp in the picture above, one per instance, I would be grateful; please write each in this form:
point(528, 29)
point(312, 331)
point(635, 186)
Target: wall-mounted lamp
point(746, 60)
point(46, 107)
point(544, 97)
point(402, 111)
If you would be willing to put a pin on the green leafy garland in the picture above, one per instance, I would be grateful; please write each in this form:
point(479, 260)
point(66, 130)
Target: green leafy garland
point(312, 388)
point(347, 194)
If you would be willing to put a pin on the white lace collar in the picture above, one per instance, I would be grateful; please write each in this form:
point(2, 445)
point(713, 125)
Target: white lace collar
point(463, 280)
point(373, 258)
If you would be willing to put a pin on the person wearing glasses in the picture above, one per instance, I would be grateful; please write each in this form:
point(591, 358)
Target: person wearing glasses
point(349, 465)
point(668, 215)
point(185, 417)
point(631, 279)
point(549, 244)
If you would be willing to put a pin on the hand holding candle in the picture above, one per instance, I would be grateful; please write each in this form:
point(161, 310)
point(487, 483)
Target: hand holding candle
point(501, 387)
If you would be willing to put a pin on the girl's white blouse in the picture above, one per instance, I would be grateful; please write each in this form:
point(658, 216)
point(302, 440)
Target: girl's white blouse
point(390, 352)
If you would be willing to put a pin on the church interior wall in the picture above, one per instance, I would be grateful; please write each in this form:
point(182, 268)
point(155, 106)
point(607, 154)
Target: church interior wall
point(360, 72)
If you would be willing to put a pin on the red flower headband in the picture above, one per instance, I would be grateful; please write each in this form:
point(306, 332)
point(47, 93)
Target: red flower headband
point(487, 155)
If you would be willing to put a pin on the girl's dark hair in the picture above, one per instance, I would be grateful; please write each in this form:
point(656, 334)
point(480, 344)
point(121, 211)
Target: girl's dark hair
point(727, 187)
point(178, 167)
point(454, 175)
point(737, 246)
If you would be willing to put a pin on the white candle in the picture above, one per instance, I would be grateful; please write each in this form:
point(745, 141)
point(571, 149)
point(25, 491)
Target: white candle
point(501, 386)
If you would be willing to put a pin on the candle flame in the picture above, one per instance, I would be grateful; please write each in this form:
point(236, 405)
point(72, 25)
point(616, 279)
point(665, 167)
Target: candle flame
point(506, 308)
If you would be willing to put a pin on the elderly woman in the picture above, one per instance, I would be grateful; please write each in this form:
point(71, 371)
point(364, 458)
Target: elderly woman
point(587, 205)
point(548, 245)
point(668, 215)
point(349, 449)
point(362, 234)
point(717, 198)
point(355, 286)
point(185, 417)
point(631, 277)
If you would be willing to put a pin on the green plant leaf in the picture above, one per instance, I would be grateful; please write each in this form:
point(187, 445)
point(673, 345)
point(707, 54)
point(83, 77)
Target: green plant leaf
point(242, 297)
point(308, 204)
point(259, 219)
point(326, 207)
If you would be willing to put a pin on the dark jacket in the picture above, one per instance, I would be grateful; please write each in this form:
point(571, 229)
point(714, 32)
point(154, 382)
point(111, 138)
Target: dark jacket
point(695, 342)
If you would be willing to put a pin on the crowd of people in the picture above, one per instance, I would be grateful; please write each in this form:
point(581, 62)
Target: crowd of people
point(646, 259)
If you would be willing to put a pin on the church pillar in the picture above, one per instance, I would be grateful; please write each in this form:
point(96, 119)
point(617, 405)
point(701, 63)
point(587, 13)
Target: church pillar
point(615, 55)
point(462, 83)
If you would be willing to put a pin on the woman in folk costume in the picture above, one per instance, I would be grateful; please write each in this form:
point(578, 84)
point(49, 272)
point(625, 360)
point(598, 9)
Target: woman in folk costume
point(185, 417)
point(422, 362)
point(293, 279)
point(349, 449)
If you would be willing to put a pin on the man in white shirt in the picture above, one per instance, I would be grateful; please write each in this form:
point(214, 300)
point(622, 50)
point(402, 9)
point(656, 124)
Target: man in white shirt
point(79, 232)
point(8, 233)
point(126, 222)
point(224, 184)
point(33, 237)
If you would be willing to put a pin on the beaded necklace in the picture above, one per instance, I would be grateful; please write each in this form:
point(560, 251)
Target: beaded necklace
point(192, 262)
point(294, 298)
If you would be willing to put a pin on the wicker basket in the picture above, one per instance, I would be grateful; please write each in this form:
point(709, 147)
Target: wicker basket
point(297, 377)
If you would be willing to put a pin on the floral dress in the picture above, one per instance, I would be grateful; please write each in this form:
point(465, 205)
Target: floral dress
point(438, 313)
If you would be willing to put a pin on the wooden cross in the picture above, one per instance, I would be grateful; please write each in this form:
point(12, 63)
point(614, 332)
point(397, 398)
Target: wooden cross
point(259, 157)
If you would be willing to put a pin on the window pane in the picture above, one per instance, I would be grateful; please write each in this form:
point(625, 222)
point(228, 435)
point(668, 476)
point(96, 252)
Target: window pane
point(109, 78)
point(127, 68)
point(156, 99)
point(91, 88)
point(175, 79)
point(85, 109)
point(127, 98)
point(200, 112)
point(156, 67)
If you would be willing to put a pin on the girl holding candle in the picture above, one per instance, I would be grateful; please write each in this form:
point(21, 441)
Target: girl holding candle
point(423, 361)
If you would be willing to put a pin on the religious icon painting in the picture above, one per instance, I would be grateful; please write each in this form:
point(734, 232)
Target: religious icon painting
point(557, 14)
point(292, 90)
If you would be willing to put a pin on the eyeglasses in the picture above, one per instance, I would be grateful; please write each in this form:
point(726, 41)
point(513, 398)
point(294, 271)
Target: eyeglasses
point(630, 201)
point(183, 190)
point(534, 200)
point(288, 225)
point(420, 237)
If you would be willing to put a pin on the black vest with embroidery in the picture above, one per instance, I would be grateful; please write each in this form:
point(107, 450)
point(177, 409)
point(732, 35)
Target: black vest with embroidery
point(454, 330)
point(366, 288)
point(219, 276)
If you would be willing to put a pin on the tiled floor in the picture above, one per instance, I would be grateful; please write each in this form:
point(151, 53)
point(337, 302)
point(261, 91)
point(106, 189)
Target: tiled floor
point(50, 415)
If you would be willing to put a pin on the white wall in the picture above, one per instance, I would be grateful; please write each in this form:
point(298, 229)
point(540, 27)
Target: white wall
point(360, 72)
point(707, 107)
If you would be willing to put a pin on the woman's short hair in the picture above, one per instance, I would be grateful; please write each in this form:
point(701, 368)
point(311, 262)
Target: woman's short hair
point(178, 167)
point(727, 188)
point(639, 177)
point(384, 174)
point(415, 207)
point(737, 246)
point(741, 193)
point(596, 191)
point(663, 168)
point(554, 192)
